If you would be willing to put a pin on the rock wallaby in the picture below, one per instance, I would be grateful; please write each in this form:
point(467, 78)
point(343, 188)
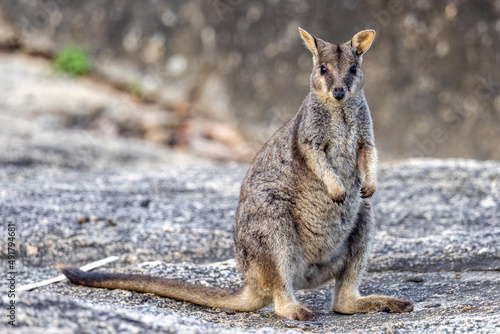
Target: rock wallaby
point(304, 216)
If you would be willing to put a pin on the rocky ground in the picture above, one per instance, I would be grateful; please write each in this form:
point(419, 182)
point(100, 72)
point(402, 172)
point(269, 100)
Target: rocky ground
point(437, 244)
point(170, 214)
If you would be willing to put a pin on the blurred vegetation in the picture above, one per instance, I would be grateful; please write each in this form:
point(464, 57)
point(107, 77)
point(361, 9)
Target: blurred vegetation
point(72, 60)
point(137, 90)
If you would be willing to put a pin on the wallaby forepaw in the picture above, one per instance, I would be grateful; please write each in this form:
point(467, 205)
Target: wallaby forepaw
point(339, 196)
point(367, 190)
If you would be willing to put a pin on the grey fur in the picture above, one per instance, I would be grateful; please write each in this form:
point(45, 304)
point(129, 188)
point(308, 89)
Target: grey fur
point(304, 216)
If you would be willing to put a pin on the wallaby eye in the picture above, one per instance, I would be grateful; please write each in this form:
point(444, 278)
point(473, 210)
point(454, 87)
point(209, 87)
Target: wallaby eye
point(323, 69)
point(353, 69)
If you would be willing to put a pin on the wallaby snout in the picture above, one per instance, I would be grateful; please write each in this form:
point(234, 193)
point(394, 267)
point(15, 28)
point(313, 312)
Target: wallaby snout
point(339, 94)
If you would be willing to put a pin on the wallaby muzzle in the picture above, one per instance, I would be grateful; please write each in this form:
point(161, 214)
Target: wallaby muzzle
point(339, 93)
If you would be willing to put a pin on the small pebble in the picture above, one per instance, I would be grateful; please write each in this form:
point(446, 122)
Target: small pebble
point(83, 220)
point(432, 305)
point(415, 279)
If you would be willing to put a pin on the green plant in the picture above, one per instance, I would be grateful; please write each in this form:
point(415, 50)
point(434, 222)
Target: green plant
point(72, 60)
point(137, 90)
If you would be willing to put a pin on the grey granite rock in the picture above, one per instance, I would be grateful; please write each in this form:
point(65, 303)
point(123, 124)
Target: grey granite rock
point(48, 119)
point(438, 215)
point(437, 244)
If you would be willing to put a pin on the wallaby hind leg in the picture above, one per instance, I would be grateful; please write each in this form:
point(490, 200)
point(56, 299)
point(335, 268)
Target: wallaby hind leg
point(274, 276)
point(279, 262)
point(346, 291)
point(273, 282)
point(285, 303)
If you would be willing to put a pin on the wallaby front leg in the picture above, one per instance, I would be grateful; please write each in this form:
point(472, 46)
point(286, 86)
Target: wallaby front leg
point(368, 163)
point(317, 161)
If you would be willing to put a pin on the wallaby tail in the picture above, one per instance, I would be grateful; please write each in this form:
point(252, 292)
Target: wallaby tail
point(241, 299)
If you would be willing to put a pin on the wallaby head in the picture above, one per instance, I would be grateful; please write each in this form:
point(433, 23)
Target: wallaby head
point(337, 73)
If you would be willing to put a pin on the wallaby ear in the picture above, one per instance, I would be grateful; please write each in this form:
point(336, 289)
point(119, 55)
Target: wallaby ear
point(310, 41)
point(362, 41)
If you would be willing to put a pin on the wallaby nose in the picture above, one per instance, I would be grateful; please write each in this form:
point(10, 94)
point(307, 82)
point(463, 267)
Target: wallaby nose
point(338, 93)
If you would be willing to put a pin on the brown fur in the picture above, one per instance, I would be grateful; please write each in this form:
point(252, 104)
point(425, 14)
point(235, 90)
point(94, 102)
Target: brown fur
point(304, 216)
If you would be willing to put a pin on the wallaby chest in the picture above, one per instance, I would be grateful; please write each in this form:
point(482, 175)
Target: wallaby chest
point(342, 147)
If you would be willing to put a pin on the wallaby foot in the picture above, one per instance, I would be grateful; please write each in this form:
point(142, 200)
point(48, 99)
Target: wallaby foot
point(295, 311)
point(373, 303)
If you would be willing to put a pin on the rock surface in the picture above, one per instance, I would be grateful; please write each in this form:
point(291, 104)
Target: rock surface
point(100, 124)
point(437, 243)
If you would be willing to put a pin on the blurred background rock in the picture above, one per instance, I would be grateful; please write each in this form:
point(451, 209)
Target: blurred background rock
point(228, 73)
